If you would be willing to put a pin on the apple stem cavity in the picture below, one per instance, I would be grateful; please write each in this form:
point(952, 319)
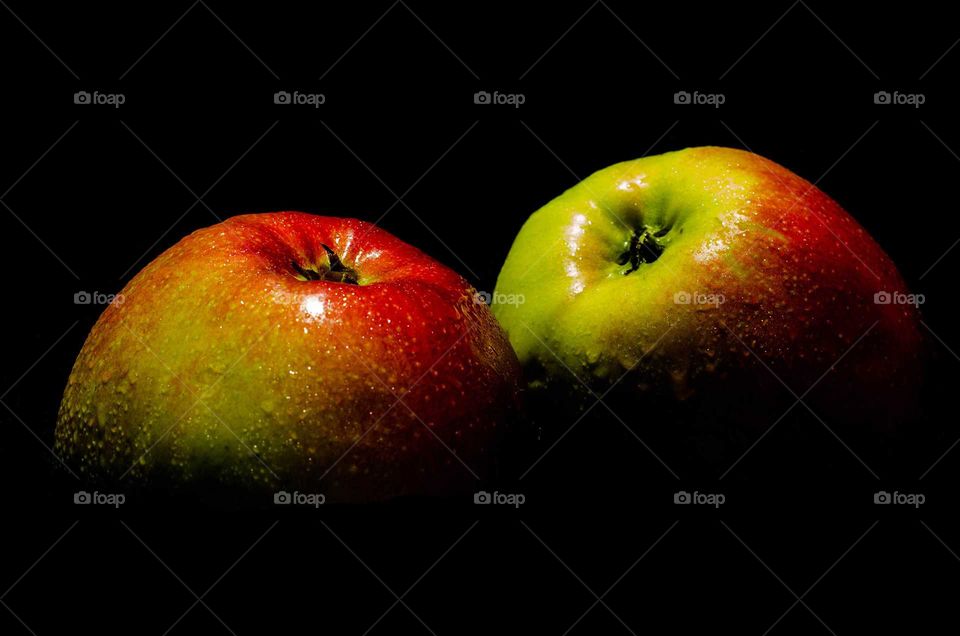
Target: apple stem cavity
point(334, 271)
point(643, 248)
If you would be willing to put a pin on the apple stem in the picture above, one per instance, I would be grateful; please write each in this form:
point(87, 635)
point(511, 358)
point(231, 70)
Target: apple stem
point(336, 271)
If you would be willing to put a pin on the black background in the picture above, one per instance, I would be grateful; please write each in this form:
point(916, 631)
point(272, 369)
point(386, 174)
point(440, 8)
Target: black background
point(92, 193)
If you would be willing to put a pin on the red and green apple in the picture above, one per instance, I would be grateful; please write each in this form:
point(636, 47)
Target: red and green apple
point(709, 277)
point(287, 350)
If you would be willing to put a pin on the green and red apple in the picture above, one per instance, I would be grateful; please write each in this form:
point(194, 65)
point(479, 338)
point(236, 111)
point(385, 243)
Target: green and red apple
point(706, 279)
point(292, 351)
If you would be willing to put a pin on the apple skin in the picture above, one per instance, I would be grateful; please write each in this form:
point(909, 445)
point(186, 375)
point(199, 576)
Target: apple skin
point(734, 225)
point(221, 339)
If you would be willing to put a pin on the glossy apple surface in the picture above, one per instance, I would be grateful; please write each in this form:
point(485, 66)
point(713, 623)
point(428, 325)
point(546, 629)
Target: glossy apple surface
point(708, 277)
point(287, 350)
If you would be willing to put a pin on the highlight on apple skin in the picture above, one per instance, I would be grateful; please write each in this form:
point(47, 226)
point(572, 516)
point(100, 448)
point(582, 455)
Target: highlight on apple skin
point(287, 350)
point(699, 283)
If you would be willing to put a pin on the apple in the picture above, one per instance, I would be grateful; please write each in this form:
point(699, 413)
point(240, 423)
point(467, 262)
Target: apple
point(292, 351)
point(692, 286)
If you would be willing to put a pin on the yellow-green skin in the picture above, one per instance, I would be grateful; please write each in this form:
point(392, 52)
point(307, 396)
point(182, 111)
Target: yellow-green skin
point(222, 366)
point(796, 274)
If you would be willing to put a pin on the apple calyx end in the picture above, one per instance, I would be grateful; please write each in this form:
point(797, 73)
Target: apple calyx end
point(644, 247)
